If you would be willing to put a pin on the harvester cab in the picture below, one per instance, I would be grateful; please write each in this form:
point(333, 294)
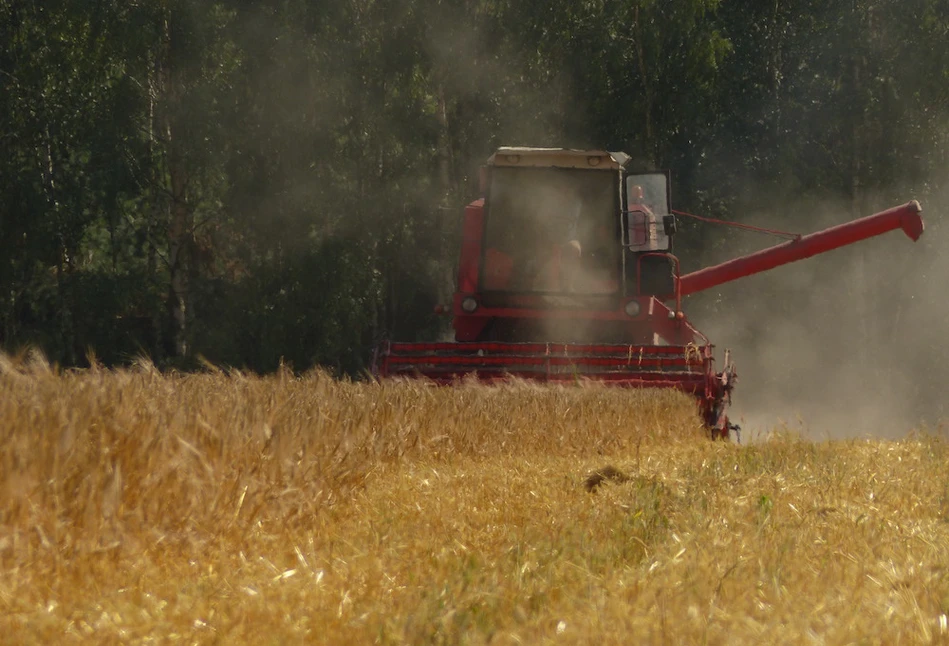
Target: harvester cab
point(567, 272)
point(565, 246)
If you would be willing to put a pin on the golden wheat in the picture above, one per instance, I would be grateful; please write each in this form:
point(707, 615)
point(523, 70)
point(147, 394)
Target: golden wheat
point(226, 507)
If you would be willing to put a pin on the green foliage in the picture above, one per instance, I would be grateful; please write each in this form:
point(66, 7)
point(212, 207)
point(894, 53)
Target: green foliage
point(285, 180)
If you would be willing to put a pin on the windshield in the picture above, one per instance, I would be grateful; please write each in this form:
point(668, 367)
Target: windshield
point(647, 201)
point(552, 230)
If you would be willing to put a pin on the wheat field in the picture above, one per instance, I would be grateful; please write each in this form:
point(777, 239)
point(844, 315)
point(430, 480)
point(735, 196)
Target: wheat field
point(140, 507)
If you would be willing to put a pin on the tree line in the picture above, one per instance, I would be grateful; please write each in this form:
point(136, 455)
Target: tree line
point(252, 182)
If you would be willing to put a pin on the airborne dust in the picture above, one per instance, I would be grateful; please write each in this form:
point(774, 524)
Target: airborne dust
point(846, 344)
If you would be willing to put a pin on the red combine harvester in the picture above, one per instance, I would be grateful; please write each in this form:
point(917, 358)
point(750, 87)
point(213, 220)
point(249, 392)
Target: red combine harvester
point(567, 273)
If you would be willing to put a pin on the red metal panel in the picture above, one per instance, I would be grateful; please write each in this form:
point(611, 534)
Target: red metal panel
point(515, 361)
point(566, 361)
point(472, 230)
point(545, 348)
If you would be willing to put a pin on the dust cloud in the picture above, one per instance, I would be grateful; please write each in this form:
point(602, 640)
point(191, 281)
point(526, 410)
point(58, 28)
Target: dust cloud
point(846, 344)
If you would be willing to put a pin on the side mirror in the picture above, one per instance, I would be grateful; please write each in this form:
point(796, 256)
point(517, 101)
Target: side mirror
point(669, 225)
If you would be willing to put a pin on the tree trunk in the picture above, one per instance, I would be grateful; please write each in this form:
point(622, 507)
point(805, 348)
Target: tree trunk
point(650, 143)
point(445, 216)
point(64, 313)
point(181, 218)
point(153, 213)
point(180, 249)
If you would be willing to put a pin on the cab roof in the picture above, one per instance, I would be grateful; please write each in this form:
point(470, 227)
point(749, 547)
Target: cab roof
point(558, 158)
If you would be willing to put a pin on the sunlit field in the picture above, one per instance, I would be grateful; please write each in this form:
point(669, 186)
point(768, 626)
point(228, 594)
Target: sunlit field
point(140, 507)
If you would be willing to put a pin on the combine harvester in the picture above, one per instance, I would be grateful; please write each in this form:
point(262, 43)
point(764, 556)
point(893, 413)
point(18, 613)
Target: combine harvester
point(567, 273)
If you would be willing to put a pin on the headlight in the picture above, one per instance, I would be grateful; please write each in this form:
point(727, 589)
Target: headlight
point(632, 308)
point(469, 304)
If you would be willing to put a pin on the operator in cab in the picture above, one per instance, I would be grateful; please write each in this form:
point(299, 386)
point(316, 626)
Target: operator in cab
point(554, 236)
point(584, 263)
point(637, 201)
point(641, 217)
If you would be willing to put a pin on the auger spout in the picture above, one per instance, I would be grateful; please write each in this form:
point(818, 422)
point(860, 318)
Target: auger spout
point(906, 217)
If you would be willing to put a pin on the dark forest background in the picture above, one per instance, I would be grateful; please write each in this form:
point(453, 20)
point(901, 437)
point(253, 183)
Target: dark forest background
point(251, 181)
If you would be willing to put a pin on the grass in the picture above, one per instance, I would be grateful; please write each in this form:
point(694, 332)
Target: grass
point(228, 508)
